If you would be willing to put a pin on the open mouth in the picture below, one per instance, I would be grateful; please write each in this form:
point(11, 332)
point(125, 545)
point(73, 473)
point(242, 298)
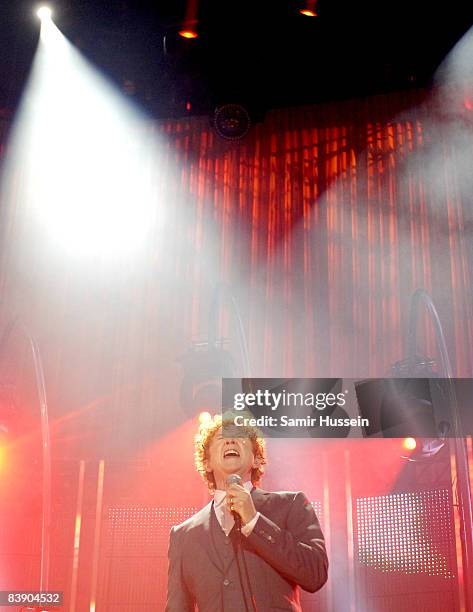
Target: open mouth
point(231, 452)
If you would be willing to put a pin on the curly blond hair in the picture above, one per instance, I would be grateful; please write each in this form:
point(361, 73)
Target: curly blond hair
point(202, 440)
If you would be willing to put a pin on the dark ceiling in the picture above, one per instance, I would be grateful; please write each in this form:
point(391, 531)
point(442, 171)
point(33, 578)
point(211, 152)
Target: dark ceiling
point(262, 53)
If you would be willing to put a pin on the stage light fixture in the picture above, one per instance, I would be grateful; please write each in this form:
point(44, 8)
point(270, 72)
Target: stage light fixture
point(189, 34)
point(409, 443)
point(308, 13)
point(204, 417)
point(424, 449)
point(309, 9)
point(397, 407)
point(44, 13)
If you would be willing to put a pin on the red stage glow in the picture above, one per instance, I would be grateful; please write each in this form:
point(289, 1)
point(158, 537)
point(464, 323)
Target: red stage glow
point(188, 34)
point(170, 479)
point(409, 443)
point(468, 103)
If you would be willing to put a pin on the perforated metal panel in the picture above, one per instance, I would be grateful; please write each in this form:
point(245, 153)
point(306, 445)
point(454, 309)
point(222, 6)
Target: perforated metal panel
point(143, 530)
point(411, 533)
point(134, 561)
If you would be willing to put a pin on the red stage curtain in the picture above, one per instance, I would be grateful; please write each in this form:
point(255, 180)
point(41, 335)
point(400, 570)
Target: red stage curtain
point(326, 219)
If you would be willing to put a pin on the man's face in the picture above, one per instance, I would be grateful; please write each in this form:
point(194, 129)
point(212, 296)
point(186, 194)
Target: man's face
point(230, 456)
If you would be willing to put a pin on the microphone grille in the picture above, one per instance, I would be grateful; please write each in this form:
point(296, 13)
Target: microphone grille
point(233, 479)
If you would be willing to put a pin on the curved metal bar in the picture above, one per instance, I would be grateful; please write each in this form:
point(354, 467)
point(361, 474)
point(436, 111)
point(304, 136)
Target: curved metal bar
point(463, 483)
point(421, 296)
point(45, 448)
point(46, 455)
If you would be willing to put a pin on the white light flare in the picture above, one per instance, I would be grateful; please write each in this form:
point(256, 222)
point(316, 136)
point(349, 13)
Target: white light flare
point(87, 158)
point(44, 13)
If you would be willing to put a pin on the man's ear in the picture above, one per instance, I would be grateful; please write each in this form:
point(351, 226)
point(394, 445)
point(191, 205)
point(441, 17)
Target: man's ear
point(257, 462)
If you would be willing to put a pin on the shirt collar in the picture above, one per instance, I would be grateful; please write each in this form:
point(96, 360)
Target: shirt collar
point(220, 495)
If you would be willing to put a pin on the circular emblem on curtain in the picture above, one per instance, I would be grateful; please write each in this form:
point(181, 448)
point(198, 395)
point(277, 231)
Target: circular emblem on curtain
point(231, 121)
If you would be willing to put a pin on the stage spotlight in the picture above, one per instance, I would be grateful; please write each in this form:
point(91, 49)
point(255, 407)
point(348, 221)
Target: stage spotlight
point(309, 9)
point(308, 13)
point(424, 449)
point(44, 13)
point(188, 34)
point(204, 417)
point(409, 443)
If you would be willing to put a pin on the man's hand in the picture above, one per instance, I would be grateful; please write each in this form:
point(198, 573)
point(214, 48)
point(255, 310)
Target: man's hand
point(240, 501)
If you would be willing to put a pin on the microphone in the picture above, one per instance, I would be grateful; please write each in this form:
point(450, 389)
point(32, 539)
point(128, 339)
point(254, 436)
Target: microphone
point(235, 479)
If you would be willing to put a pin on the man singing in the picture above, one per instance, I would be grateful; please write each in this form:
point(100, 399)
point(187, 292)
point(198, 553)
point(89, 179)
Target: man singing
point(248, 550)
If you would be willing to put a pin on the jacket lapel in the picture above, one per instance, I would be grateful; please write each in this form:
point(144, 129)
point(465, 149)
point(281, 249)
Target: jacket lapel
point(205, 535)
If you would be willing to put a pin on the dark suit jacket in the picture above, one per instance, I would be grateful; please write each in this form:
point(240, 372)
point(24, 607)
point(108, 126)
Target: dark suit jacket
point(284, 551)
